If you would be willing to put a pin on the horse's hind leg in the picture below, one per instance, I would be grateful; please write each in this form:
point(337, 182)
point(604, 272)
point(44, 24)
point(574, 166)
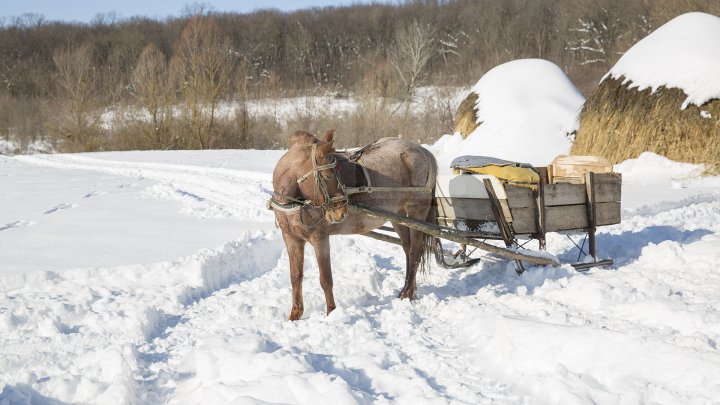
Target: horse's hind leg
point(412, 243)
point(404, 235)
point(296, 254)
point(322, 253)
point(414, 251)
point(414, 256)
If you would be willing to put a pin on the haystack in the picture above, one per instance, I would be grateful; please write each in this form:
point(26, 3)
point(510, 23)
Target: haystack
point(662, 96)
point(466, 120)
point(524, 110)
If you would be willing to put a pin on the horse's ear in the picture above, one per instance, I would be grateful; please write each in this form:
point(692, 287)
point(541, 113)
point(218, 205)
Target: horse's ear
point(325, 148)
point(329, 136)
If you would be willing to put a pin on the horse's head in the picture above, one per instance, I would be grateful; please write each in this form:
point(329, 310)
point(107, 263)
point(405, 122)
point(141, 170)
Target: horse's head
point(309, 174)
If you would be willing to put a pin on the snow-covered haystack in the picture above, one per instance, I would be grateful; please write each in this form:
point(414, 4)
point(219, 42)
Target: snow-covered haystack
point(522, 110)
point(662, 96)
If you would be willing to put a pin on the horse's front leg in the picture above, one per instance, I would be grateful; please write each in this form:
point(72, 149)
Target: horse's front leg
point(322, 253)
point(296, 254)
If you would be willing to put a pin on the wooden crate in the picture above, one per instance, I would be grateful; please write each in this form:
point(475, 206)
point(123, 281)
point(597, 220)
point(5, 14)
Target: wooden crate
point(566, 205)
point(572, 169)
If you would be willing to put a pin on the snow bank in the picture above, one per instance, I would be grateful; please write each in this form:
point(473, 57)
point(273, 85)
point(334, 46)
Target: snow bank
point(650, 167)
point(526, 110)
point(684, 53)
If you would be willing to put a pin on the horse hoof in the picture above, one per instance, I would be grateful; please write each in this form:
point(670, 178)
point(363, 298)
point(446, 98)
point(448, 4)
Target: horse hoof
point(407, 294)
point(295, 315)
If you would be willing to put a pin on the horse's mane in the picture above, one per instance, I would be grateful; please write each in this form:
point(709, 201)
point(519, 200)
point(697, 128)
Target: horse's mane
point(301, 138)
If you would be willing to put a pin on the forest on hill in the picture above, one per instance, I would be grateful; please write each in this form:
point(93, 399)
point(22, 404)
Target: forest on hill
point(166, 81)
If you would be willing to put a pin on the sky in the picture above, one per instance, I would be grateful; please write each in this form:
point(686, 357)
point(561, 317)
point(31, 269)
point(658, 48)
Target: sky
point(87, 10)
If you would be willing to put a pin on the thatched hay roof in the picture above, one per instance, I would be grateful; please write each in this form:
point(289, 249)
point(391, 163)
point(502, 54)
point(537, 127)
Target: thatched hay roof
point(620, 122)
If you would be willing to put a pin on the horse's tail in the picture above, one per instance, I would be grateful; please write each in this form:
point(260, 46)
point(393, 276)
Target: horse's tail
point(429, 241)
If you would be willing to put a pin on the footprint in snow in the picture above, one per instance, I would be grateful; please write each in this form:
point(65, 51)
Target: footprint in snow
point(17, 224)
point(62, 206)
point(94, 194)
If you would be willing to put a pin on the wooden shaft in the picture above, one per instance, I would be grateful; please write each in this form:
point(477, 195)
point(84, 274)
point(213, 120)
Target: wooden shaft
point(448, 234)
point(383, 237)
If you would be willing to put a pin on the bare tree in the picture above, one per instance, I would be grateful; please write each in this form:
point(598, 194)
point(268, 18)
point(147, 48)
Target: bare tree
point(410, 53)
point(152, 89)
point(203, 67)
point(75, 95)
point(593, 39)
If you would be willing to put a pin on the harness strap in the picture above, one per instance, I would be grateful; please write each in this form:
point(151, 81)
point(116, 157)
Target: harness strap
point(427, 188)
point(294, 204)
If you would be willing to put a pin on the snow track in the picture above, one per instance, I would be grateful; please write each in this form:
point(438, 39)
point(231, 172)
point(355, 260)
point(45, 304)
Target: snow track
point(205, 192)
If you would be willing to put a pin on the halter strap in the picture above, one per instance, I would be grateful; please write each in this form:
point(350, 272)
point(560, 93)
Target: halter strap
point(315, 167)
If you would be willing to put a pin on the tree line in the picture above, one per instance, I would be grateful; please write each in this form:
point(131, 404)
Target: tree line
point(144, 83)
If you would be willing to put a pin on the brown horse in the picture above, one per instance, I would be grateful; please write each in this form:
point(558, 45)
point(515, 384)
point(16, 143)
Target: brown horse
point(311, 183)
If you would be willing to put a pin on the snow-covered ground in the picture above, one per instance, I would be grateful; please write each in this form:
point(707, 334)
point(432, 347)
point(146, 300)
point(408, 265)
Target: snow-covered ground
point(158, 277)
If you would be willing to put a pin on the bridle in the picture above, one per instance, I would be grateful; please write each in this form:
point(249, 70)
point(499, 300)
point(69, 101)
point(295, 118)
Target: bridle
point(297, 204)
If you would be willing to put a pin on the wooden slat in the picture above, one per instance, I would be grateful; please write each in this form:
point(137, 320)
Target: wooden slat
point(500, 218)
point(466, 208)
point(566, 217)
point(505, 209)
point(607, 192)
point(519, 197)
point(607, 213)
point(571, 194)
point(608, 178)
point(524, 220)
point(565, 194)
point(607, 187)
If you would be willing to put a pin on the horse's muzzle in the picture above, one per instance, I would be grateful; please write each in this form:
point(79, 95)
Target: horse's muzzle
point(336, 215)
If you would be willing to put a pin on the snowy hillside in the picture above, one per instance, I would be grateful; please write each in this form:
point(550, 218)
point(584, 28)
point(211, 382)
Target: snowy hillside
point(526, 109)
point(158, 277)
point(684, 53)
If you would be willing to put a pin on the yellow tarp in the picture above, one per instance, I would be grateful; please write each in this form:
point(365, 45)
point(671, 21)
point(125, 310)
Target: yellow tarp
point(516, 176)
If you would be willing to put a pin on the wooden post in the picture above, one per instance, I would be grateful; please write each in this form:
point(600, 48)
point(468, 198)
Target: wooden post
point(540, 203)
point(591, 209)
